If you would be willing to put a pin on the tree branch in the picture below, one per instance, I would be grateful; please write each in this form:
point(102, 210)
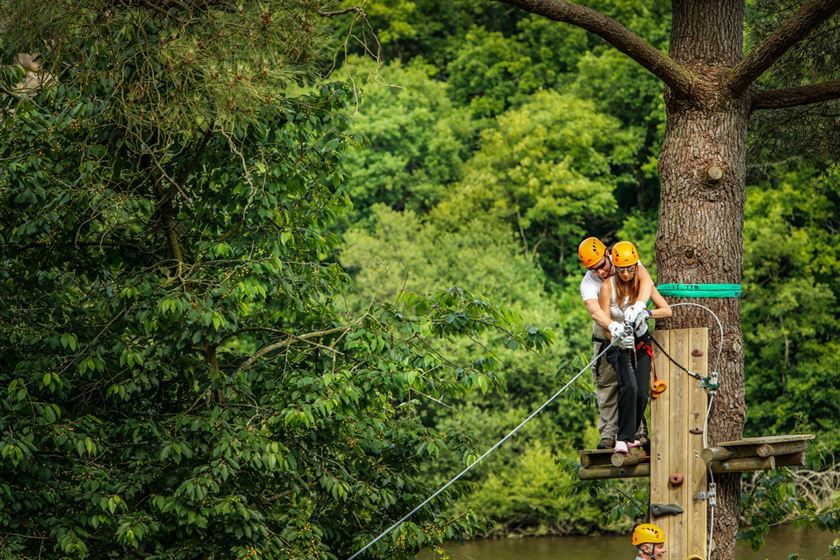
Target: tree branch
point(288, 341)
point(167, 196)
point(675, 75)
point(335, 13)
point(796, 28)
point(794, 96)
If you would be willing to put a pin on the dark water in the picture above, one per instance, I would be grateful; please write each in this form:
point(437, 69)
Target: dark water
point(781, 542)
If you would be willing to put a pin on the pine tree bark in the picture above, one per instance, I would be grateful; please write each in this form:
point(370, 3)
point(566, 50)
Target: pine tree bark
point(702, 172)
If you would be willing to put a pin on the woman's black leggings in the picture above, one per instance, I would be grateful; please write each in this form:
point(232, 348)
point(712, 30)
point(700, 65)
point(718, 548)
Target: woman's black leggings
point(633, 386)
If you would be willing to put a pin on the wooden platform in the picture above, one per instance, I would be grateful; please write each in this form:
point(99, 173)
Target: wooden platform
point(678, 464)
point(757, 453)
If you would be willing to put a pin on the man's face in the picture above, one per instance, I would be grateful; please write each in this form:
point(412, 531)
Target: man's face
point(603, 269)
point(658, 551)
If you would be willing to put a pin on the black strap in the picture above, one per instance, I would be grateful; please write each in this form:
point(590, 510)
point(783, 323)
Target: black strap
point(673, 361)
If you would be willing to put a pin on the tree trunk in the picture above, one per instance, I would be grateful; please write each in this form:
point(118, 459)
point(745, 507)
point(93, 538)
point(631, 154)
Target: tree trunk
point(703, 173)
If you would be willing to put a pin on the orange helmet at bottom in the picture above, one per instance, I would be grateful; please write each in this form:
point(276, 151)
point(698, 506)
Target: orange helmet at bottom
point(591, 251)
point(648, 533)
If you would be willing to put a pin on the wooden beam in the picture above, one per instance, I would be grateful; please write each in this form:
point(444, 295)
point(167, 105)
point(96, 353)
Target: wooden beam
point(766, 439)
point(744, 464)
point(716, 454)
point(793, 460)
point(597, 473)
point(775, 450)
point(595, 457)
point(634, 457)
point(766, 446)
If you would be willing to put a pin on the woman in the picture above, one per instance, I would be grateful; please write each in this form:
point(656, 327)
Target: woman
point(631, 356)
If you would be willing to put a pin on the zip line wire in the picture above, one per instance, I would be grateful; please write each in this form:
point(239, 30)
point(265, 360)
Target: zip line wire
point(486, 453)
point(548, 402)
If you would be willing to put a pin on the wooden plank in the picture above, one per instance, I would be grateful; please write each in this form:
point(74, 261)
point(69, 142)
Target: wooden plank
point(597, 473)
point(680, 388)
point(766, 439)
point(696, 475)
point(659, 430)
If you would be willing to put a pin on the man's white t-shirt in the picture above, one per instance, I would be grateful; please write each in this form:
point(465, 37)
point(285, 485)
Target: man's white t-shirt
point(590, 286)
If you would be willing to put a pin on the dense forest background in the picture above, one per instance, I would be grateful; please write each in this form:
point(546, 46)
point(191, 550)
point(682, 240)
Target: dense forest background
point(263, 299)
point(491, 142)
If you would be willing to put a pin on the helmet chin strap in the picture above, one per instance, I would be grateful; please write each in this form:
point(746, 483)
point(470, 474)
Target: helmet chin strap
point(650, 552)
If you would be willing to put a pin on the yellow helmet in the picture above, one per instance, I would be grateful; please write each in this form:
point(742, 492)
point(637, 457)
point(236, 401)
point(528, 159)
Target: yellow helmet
point(648, 533)
point(591, 251)
point(624, 253)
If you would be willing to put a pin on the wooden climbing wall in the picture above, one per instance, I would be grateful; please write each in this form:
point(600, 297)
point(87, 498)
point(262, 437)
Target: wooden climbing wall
point(676, 425)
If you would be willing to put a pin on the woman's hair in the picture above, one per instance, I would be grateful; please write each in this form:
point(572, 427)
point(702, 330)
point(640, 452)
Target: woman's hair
point(628, 290)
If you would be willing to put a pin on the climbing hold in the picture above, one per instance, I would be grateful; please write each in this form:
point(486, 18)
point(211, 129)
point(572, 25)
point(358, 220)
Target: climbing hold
point(676, 479)
point(696, 557)
point(696, 431)
point(658, 510)
point(658, 388)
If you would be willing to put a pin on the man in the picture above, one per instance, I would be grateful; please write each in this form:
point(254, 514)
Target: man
point(649, 540)
point(596, 259)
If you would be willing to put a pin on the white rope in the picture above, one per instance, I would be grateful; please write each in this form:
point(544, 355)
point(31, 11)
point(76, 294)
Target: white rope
point(706, 421)
point(720, 327)
point(486, 453)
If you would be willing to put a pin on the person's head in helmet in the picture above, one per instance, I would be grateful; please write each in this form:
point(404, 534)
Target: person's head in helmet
point(649, 540)
point(593, 255)
point(625, 260)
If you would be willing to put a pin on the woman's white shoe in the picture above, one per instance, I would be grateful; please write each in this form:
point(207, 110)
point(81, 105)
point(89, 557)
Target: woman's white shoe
point(621, 447)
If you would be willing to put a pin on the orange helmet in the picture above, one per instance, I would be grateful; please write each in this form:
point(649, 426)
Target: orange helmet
point(648, 533)
point(591, 251)
point(624, 253)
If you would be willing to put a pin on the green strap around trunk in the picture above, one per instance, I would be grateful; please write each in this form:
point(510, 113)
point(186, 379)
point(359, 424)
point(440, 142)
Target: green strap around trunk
point(700, 290)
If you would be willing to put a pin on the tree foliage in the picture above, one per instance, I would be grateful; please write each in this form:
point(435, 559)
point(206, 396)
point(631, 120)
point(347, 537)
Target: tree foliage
point(412, 137)
point(228, 325)
point(547, 169)
point(791, 276)
point(177, 382)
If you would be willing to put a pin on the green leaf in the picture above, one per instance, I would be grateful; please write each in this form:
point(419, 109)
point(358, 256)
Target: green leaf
point(69, 340)
point(484, 382)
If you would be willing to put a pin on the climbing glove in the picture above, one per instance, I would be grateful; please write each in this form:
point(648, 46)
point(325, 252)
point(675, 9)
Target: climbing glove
point(627, 342)
point(635, 314)
point(616, 330)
